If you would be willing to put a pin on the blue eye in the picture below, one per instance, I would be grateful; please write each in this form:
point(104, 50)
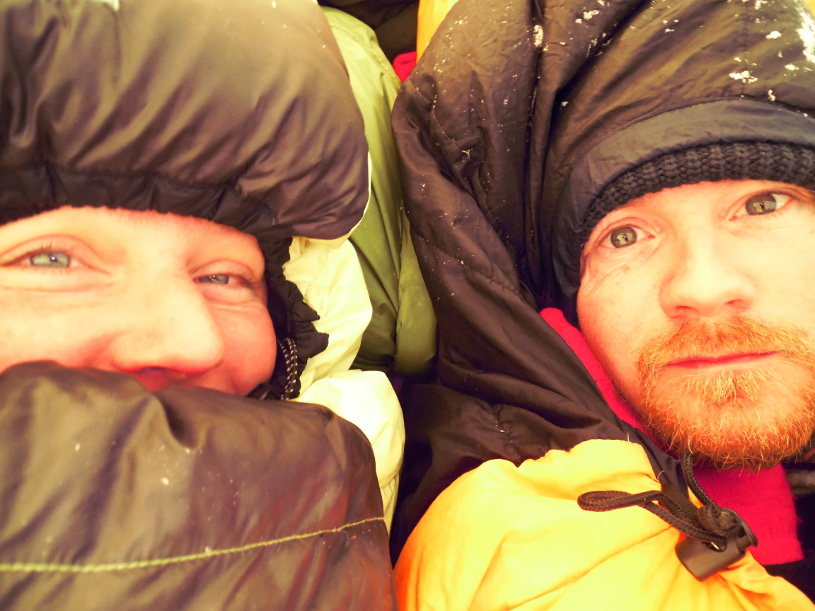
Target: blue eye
point(622, 237)
point(50, 259)
point(214, 279)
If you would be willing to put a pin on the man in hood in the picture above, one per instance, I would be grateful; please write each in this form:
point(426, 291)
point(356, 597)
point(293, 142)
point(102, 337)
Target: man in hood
point(643, 170)
point(175, 201)
point(685, 300)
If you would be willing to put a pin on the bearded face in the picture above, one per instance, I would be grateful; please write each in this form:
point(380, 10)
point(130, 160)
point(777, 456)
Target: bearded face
point(750, 416)
point(699, 301)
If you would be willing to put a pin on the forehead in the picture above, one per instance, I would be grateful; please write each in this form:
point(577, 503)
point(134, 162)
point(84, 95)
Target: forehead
point(118, 226)
point(123, 217)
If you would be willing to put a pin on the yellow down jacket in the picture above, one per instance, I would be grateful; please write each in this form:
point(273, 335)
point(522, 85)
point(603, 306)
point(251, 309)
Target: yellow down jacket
point(507, 537)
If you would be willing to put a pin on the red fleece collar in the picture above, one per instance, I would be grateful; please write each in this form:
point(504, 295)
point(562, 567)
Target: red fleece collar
point(764, 500)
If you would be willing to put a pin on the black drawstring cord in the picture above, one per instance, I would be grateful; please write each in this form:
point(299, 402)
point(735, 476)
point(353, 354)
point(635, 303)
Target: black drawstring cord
point(710, 517)
point(711, 530)
point(655, 501)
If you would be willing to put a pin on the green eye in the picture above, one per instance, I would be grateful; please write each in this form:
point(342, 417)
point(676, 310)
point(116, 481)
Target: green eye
point(214, 279)
point(761, 204)
point(50, 259)
point(622, 237)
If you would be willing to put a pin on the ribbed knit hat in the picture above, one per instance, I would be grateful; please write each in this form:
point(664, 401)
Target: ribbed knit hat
point(779, 162)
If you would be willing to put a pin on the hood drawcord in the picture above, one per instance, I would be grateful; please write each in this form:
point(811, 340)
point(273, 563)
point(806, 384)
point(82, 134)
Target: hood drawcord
point(716, 536)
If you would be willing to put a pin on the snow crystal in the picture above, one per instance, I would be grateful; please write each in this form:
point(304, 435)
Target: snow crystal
point(807, 33)
point(771, 95)
point(773, 35)
point(743, 76)
point(589, 14)
point(114, 4)
point(538, 35)
point(791, 67)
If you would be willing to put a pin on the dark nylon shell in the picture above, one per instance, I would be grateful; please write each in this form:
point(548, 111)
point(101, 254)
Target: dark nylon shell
point(116, 498)
point(484, 175)
point(197, 107)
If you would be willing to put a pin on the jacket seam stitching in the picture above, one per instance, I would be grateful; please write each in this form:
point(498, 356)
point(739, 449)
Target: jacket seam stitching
point(38, 567)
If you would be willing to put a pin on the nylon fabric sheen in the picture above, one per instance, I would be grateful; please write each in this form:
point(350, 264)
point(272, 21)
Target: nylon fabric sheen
point(507, 101)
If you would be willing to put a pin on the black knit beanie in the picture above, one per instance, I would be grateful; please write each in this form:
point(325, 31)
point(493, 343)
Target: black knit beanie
point(789, 163)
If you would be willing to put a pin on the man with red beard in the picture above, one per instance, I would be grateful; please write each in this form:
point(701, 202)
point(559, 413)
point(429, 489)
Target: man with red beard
point(613, 205)
point(685, 298)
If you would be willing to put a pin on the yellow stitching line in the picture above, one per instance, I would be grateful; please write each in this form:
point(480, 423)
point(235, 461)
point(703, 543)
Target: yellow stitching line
point(34, 567)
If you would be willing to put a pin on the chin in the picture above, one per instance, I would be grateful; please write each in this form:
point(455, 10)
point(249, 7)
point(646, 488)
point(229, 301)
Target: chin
point(735, 421)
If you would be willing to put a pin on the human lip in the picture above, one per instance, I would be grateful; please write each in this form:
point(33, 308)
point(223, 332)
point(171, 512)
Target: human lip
point(740, 359)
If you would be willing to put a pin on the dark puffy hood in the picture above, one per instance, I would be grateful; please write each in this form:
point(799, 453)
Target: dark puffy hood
point(504, 152)
point(193, 107)
point(614, 84)
point(118, 498)
point(673, 77)
point(515, 118)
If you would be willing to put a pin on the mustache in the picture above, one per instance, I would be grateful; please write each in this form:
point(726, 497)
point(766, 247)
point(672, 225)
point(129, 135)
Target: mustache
point(733, 335)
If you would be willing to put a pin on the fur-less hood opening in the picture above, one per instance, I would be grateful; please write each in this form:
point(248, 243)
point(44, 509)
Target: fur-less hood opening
point(136, 105)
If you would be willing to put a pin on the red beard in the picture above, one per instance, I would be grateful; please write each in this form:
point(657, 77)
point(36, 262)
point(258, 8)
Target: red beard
point(752, 416)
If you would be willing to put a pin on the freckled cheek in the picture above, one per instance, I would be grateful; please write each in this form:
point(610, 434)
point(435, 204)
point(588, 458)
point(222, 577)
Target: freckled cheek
point(786, 291)
point(781, 273)
point(612, 320)
point(33, 329)
point(249, 347)
point(594, 322)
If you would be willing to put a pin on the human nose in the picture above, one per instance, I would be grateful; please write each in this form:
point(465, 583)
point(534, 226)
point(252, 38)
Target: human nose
point(167, 334)
point(706, 278)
